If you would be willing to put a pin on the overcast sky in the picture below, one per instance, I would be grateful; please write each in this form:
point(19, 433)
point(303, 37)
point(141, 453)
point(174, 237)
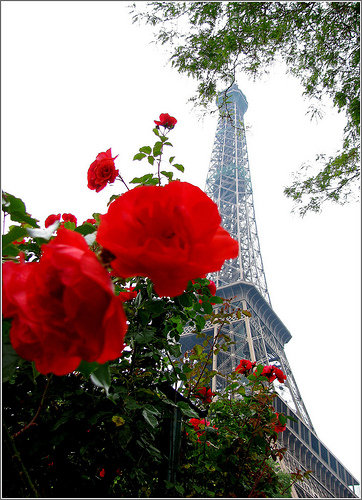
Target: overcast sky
point(78, 78)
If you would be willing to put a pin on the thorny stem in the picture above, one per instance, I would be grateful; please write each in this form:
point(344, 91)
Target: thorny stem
point(159, 167)
point(257, 480)
point(122, 180)
point(37, 413)
point(16, 454)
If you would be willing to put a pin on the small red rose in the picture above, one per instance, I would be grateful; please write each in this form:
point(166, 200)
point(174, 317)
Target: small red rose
point(278, 427)
point(280, 375)
point(69, 218)
point(51, 219)
point(102, 171)
point(245, 367)
point(63, 307)
point(205, 394)
point(166, 121)
point(268, 372)
point(128, 295)
point(171, 234)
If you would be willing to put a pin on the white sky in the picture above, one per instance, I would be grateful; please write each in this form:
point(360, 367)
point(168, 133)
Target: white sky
point(78, 78)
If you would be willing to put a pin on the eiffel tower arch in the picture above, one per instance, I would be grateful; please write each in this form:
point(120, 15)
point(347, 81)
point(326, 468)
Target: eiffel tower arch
point(262, 336)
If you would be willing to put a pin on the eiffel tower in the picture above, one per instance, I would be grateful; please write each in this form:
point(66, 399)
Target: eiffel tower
point(261, 337)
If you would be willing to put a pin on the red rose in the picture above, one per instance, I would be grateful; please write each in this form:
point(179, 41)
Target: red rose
point(278, 427)
point(268, 372)
point(245, 366)
point(90, 221)
point(102, 171)
point(63, 307)
point(128, 295)
point(204, 394)
point(272, 372)
point(69, 218)
point(171, 234)
point(279, 375)
point(51, 219)
point(212, 288)
point(166, 121)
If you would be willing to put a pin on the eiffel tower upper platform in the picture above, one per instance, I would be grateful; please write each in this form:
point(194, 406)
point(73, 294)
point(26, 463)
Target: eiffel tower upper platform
point(261, 337)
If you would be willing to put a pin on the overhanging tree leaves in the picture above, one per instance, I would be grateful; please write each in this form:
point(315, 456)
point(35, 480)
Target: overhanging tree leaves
point(318, 41)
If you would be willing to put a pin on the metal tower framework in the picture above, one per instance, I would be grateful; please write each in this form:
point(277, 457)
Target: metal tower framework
point(261, 337)
point(228, 184)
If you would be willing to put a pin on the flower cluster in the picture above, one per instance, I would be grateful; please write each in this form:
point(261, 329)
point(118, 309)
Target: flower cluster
point(54, 218)
point(64, 307)
point(245, 367)
point(204, 394)
point(199, 426)
point(272, 372)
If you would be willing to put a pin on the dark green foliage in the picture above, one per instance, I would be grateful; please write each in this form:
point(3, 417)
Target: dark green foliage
point(318, 41)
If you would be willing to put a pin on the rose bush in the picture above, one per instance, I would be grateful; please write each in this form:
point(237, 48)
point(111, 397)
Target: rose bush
point(115, 426)
point(63, 307)
point(171, 234)
point(102, 171)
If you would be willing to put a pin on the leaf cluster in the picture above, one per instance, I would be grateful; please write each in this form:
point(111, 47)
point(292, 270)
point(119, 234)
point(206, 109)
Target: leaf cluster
point(319, 42)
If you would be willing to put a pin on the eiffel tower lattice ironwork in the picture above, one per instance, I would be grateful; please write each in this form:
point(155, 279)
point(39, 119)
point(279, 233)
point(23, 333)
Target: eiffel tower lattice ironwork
point(261, 337)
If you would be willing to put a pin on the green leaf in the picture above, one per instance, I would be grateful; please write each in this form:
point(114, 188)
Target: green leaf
point(150, 418)
point(10, 251)
point(146, 149)
point(179, 167)
point(141, 180)
point(186, 410)
point(171, 159)
point(207, 307)
point(282, 418)
point(86, 368)
point(157, 148)
point(10, 361)
point(10, 204)
point(85, 229)
point(169, 175)
point(64, 418)
point(69, 225)
point(175, 350)
point(14, 234)
point(112, 198)
point(17, 210)
point(23, 218)
point(139, 156)
point(151, 160)
point(101, 377)
point(200, 322)
point(198, 349)
point(185, 300)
